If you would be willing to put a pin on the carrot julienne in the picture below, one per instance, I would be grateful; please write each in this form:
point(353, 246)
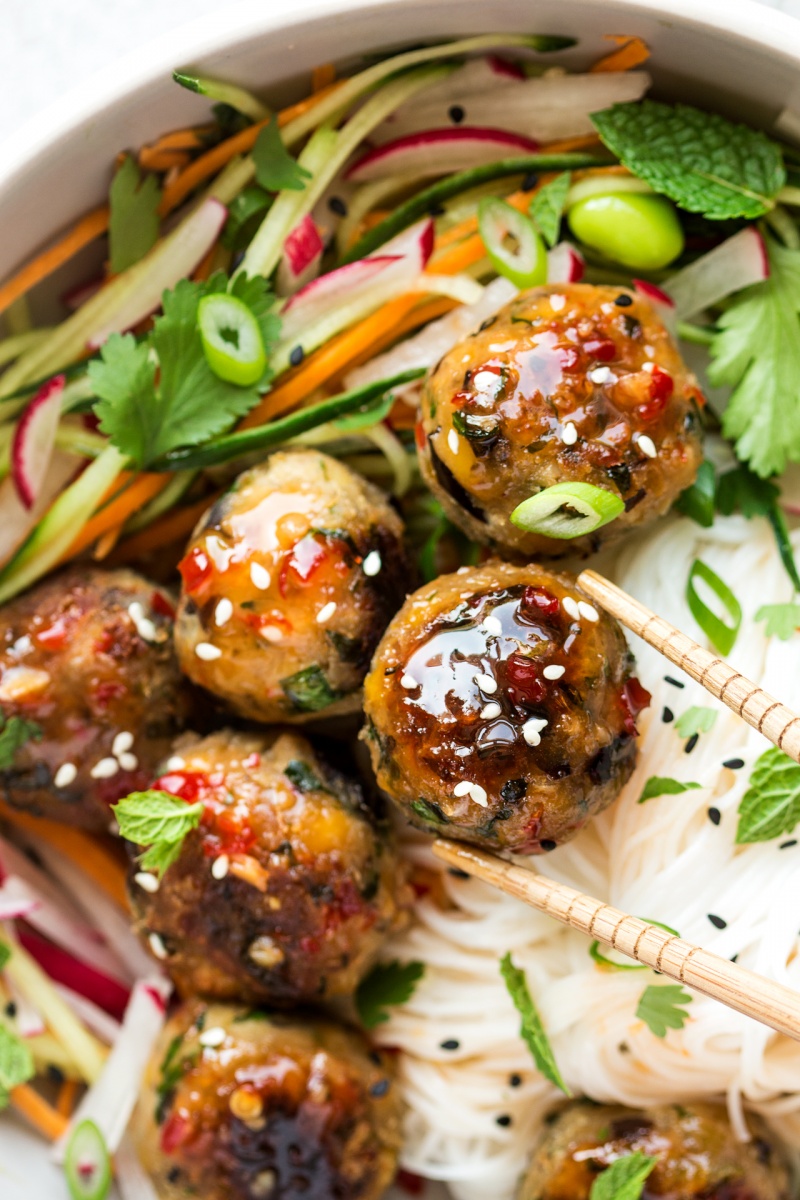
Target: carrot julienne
point(48, 1120)
point(632, 52)
point(81, 234)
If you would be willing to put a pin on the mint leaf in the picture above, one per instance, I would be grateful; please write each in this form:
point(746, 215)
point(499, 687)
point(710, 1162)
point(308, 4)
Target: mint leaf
point(756, 351)
point(276, 170)
point(662, 1007)
point(771, 805)
point(159, 821)
point(14, 733)
point(695, 720)
point(133, 222)
point(386, 985)
point(624, 1179)
point(782, 620)
point(16, 1060)
point(702, 161)
point(547, 206)
point(532, 1029)
point(658, 786)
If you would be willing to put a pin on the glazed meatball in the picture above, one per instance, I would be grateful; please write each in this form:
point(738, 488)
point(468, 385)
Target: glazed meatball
point(501, 708)
point(249, 1105)
point(698, 1155)
point(90, 685)
point(569, 383)
point(288, 583)
point(289, 886)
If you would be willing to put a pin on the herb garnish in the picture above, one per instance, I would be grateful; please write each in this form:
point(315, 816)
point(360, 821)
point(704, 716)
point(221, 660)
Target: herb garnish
point(14, 733)
point(309, 690)
point(547, 206)
point(276, 170)
point(16, 1063)
point(697, 501)
point(159, 821)
point(303, 777)
point(662, 1007)
point(771, 805)
point(660, 786)
point(624, 1179)
point(696, 719)
point(781, 620)
point(721, 634)
point(133, 221)
point(386, 985)
point(532, 1029)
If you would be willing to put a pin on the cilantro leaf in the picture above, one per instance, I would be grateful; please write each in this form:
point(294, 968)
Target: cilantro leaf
point(245, 213)
point(782, 620)
point(756, 351)
point(303, 777)
point(771, 805)
point(133, 222)
point(14, 733)
point(16, 1060)
point(124, 380)
point(741, 490)
point(276, 170)
point(254, 291)
point(387, 984)
point(624, 1179)
point(695, 720)
point(658, 786)
point(532, 1029)
point(662, 1007)
point(702, 161)
point(159, 821)
point(309, 690)
point(547, 206)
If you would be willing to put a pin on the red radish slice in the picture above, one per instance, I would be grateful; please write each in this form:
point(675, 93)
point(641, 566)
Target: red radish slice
point(34, 439)
point(735, 264)
point(661, 302)
point(417, 241)
point(478, 75)
point(505, 67)
point(565, 264)
point(82, 292)
point(17, 521)
point(339, 282)
point(29, 1021)
point(302, 253)
point(83, 979)
point(95, 1018)
point(439, 151)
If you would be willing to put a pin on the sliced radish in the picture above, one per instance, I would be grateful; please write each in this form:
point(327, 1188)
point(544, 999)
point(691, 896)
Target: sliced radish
point(505, 68)
point(17, 521)
point(565, 264)
point(302, 254)
point(320, 292)
point(415, 244)
point(661, 302)
point(478, 75)
point(82, 292)
point(95, 1018)
point(13, 905)
point(29, 1021)
point(34, 439)
point(440, 151)
point(87, 981)
point(736, 263)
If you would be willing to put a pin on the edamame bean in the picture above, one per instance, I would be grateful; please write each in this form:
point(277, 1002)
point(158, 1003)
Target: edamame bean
point(639, 231)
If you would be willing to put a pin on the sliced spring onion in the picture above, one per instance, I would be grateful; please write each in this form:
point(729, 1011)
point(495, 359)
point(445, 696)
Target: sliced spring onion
point(567, 510)
point(224, 93)
point(602, 960)
point(232, 341)
point(778, 522)
point(721, 636)
point(524, 261)
point(87, 1164)
point(697, 501)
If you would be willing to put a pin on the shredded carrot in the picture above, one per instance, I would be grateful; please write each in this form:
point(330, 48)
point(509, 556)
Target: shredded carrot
point(95, 859)
point(631, 52)
point(65, 1101)
point(106, 543)
point(80, 235)
point(173, 149)
point(322, 76)
point(47, 1119)
point(126, 502)
point(177, 523)
point(164, 160)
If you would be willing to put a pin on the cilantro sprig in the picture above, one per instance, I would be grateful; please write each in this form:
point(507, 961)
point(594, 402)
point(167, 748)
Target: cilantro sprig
point(276, 170)
point(386, 985)
point(624, 1179)
point(158, 821)
point(663, 1007)
point(133, 222)
point(771, 805)
point(14, 733)
point(532, 1030)
point(697, 719)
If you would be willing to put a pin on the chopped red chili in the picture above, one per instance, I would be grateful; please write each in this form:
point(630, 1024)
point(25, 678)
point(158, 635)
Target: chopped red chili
point(634, 699)
point(195, 569)
point(601, 349)
point(537, 601)
point(524, 679)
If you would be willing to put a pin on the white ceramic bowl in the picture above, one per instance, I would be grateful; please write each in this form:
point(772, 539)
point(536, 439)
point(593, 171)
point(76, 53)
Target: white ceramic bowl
point(733, 55)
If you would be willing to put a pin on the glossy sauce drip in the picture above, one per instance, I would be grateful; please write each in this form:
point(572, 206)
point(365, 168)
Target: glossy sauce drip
point(225, 825)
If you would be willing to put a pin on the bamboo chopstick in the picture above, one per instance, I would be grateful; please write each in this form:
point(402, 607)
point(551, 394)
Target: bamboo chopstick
point(764, 1000)
point(769, 716)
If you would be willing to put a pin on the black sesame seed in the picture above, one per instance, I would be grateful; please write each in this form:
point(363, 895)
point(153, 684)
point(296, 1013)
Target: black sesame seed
point(513, 790)
point(504, 1120)
point(450, 1044)
point(734, 958)
point(457, 873)
point(337, 205)
point(546, 844)
point(734, 764)
point(55, 1074)
point(456, 114)
point(788, 845)
point(297, 355)
point(692, 742)
point(717, 922)
point(436, 210)
point(714, 816)
point(380, 1088)
point(375, 1058)
point(174, 1174)
point(667, 715)
point(623, 301)
point(11, 1009)
point(675, 682)
point(530, 181)
point(515, 1080)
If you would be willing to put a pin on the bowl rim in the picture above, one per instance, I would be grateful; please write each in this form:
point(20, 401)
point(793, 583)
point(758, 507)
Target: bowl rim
point(747, 21)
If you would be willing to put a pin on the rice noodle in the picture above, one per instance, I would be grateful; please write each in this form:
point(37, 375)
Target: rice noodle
point(663, 860)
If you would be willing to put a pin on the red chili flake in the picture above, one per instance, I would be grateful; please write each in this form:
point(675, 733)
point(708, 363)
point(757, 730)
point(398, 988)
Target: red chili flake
point(54, 636)
point(537, 602)
point(227, 831)
point(420, 437)
point(175, 1132)
point(459, 399)
point(190, 786)
point(661, 388)
point(103, 693)
point(305, 559)
point(253, 760)
point(274, 617)
point(569, 359)
point(413, 1184)
point(196, 569)
point(634, 699)
point(524, 679)
point(310, 945)
point(105, 642)
point(601, 349)
point(162, 606)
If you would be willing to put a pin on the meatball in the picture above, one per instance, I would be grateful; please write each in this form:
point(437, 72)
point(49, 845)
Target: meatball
point(289, 886)
point(569, 383)
point(249, 1105)
point(288, 583)
point(90, 691)
point(501, 708)
point(697, 1151)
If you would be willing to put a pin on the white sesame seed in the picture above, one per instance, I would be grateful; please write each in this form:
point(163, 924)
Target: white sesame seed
point(128, 762)
point(452, 441)
point(408, 681)
point(223, 612)
point(212, 1037)
point(65, 775)
point(22, 646)
point(372, 563)
point(157, 946)
point(486, 683)
point(104, 769)
point(571, 608)
point(553, 672)
point(326, 612)
point(260, 576)
point(146, 881)
point(490, 711)
point(532, 729)
point(478, 794)
point(175, 763)
point(588, 611)
point(463, 788)
point(557, 302)
point(649, 367)
point(569, 434)
point(145, 628)
point(207, 651)
point(647, 445)
point(122, 742)
point(271, 633)
point(601, 375)
point(219, 867)
point(492, 624)
point(463, 752)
